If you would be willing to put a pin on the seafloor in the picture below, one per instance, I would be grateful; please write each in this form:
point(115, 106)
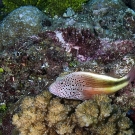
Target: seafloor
point(36, 48)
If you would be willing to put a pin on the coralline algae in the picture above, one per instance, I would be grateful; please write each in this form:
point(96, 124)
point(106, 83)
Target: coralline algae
point(85, 46)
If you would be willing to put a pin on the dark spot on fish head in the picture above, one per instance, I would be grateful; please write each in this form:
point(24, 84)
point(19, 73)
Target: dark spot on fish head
point(69, 87)
point(56, 87)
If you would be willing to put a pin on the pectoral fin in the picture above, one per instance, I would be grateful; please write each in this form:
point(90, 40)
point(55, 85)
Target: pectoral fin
point(88, 92)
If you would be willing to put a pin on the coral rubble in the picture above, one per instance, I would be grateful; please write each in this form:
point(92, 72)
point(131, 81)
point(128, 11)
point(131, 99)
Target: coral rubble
point(47, 115)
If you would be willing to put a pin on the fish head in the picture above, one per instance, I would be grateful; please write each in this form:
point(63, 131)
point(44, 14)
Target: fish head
point(66, 88)
point(57, 88)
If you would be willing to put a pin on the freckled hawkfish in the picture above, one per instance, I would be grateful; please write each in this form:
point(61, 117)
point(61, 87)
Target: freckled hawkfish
point(83, 85)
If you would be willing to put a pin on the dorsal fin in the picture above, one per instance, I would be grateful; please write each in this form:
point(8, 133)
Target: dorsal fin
point(131, 75)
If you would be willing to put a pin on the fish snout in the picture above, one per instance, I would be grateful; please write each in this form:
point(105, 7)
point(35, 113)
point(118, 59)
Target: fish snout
point(53, 89)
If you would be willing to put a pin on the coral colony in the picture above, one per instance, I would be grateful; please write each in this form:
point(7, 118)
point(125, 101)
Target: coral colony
point(54, 116)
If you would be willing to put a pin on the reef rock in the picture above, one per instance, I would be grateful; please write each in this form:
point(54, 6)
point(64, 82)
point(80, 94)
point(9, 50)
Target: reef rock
point(130, 3)
point(112, 18)
point(20, 23)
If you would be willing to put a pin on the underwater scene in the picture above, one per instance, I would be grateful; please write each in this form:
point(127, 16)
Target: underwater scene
point(67, 67)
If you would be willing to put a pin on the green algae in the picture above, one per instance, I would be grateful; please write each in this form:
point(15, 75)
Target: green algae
point(52, 7)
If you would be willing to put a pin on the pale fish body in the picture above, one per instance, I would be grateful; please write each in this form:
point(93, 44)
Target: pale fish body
point(83, 85)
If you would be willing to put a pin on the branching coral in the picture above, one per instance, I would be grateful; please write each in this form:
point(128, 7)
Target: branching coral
point(106, 118)
point(92, 111)
point(28, 121)
point(51, 116)
point(85, 116)
point(56, 112)
point(31, 119)
point(39, 115)
point(65, 127)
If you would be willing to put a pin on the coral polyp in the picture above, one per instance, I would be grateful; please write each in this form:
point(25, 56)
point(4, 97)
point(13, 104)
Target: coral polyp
point(85, 116)
point(59, 117)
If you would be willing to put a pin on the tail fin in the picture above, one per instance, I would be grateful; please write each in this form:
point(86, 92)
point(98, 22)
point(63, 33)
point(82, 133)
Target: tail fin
point(131, 75)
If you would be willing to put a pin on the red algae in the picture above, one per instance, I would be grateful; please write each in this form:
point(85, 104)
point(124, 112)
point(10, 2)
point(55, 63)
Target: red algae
point(85, 46)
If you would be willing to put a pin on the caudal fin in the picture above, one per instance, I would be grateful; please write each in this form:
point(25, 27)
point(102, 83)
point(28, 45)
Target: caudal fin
point(131, 75)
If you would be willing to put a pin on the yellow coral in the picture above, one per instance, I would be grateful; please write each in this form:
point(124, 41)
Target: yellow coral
point(87, 113)
point(71, 103)
point(80, 131)
point(105, 107)
point(107, 129)
point(65, 127)
point(40, 102)
point(37, 129)
point(124, 123)
point(56, 112)
point(31, 118)
point(126, 132)
point(28, 118)
point(27, 102)
point(101, 98)
point(47, 95)
point(105, 110)
point(44, 115)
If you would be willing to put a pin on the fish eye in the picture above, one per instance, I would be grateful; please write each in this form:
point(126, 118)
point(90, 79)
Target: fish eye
point(62, 82)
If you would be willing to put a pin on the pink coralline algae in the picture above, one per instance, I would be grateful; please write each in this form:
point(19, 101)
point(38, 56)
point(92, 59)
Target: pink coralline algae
point(81, 43)
point(113, 50)
point(84, 45)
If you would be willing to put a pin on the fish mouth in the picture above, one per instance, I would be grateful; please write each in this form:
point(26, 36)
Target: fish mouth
point(53, 89)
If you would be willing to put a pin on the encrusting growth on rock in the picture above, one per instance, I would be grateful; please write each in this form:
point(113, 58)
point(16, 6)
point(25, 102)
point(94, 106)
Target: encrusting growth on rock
point(47, 115)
